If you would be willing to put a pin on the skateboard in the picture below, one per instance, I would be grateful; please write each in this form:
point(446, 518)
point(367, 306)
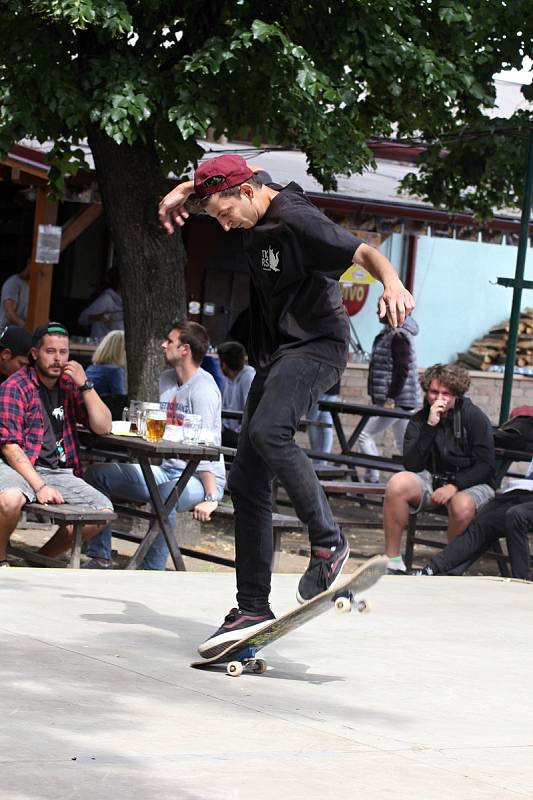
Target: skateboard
point(344, 596)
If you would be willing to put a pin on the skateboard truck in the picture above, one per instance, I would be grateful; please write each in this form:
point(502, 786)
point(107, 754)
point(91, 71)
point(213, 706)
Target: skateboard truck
point(346, 602)
point(245, 659)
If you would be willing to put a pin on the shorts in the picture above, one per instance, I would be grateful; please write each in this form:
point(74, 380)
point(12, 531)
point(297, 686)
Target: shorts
point(75, 491)
point(481, 493)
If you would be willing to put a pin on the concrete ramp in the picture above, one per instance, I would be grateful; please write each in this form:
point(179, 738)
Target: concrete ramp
point(428, 697)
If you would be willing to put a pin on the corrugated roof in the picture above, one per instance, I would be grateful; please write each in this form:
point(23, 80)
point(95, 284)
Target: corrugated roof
point(380, 185)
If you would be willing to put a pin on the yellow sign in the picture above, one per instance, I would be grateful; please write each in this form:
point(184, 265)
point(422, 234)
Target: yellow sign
point(357, 274)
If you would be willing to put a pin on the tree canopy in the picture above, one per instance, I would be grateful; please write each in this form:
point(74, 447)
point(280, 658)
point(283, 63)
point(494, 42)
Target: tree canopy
point(323, 76)
point(144, 79)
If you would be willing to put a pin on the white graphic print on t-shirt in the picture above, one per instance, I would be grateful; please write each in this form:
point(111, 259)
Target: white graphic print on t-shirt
point(270, 260)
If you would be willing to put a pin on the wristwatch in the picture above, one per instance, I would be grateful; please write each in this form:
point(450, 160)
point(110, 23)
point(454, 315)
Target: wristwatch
point(211, 498)
point(86, 386)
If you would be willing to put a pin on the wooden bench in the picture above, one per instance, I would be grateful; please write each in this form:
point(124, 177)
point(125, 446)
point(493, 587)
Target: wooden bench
point(64, 514)
point(280, 524)
point(353, 488)
point(352, 461)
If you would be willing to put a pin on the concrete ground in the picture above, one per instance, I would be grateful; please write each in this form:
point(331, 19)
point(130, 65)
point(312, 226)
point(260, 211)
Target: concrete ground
point(426, 697)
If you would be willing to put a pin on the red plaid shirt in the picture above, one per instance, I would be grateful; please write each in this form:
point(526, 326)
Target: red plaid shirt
point(21, 415)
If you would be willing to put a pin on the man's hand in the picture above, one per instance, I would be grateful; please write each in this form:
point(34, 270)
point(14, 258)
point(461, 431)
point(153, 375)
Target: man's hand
point(75, 371)
point(171, 207)
point(202, 512)
point(444, 494)
point(436, 411)
point(395, 303)
point(47, 495)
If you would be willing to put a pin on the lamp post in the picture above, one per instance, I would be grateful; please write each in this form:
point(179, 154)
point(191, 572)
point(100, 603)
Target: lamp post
point(518, 283)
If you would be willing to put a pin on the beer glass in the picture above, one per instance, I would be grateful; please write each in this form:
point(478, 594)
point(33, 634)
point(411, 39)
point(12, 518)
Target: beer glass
point(136, 410)
point(156, 421)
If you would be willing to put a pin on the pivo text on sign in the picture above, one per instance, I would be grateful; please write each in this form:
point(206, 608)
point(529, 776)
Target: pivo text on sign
point(354, 297)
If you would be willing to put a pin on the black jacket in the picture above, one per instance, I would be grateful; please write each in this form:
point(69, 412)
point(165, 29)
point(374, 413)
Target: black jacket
point(469, 456)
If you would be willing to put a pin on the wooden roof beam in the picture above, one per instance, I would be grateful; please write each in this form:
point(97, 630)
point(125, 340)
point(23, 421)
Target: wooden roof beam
point(79, 223)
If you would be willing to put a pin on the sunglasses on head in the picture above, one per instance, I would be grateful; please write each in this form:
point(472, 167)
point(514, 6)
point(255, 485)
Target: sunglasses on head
point(214, 181)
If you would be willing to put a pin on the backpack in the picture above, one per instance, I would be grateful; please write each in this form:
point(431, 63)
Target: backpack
point(516, 434)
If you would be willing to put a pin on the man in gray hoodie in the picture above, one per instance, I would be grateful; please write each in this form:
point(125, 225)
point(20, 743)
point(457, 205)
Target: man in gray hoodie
point(392, 383)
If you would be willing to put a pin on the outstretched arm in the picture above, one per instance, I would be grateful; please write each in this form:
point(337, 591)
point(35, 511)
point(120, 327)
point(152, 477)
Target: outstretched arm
point(396, 302)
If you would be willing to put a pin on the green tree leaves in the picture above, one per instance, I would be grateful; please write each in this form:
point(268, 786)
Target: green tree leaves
point(319, 75)
point(113, 17)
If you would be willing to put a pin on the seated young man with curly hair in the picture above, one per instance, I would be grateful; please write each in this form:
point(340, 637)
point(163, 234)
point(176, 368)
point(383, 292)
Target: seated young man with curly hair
point(449, 459)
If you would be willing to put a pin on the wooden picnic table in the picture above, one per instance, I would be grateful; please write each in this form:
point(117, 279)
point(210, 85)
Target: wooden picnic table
point(366, 412)
point(141, 451)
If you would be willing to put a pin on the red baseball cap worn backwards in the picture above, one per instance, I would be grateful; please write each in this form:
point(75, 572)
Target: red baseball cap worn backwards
point(218, 174)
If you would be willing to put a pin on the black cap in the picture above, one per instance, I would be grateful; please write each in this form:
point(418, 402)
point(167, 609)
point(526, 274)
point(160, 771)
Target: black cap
point(52, 328)
point(16, 339)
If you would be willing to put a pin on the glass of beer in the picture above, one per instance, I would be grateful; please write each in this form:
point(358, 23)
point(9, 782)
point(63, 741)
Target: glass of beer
point(155, 425)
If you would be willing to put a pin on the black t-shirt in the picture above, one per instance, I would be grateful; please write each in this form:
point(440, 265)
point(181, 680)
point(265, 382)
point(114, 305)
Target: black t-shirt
point(296, 255)
point(53, 428)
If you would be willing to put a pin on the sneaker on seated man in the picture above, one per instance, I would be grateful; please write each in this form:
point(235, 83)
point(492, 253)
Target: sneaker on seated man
point(40, 407)
point(187, 388)
point(449, 458)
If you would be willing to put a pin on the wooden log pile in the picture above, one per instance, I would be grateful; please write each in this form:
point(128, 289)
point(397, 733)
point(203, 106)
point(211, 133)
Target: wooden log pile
point(492, 348)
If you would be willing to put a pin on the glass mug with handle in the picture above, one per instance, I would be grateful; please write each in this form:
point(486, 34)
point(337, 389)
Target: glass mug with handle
point(154, 426)
point(136, 411)
point(192, 425)
point(142, 410)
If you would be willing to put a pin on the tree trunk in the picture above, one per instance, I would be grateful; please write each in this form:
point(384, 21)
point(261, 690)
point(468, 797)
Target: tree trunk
point(151, 263)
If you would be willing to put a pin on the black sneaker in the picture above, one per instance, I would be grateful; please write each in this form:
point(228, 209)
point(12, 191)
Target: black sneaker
point(427, 570)
point(98, 563)
point(236, 625)
point(324, 570)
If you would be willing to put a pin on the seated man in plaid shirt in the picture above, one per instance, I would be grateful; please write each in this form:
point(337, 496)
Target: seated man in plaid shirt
point(40, 406)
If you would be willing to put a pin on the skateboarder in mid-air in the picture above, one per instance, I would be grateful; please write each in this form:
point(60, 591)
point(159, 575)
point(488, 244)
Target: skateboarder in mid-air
point(298, 345)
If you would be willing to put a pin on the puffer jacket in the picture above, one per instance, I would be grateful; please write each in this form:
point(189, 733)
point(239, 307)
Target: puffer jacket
point(393, 371)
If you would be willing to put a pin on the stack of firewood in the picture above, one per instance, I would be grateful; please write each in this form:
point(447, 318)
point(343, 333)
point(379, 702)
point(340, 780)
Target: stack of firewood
point(492, 348)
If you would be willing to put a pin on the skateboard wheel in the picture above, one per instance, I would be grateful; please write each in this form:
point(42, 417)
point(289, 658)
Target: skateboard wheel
point(259, 666)
point(364, 606)
point(234, 669)
point(343, 604)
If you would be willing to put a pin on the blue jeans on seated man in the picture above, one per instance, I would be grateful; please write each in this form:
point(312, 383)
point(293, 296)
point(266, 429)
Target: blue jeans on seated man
point(126, 481)
point(321, 439)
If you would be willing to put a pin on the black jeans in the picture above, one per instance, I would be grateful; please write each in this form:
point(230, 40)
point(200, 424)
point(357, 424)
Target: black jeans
point(510, 515)
point(266, 449)
point(230, 438)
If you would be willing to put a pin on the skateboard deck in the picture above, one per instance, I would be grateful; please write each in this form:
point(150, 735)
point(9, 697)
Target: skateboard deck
point(343, 596)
